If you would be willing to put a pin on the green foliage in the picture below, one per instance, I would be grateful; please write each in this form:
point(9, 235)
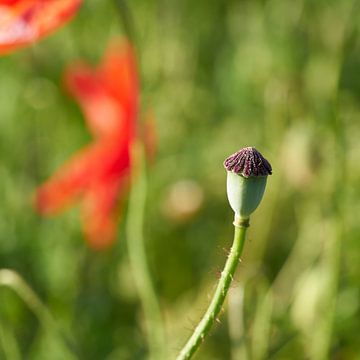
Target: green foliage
point(219, 75)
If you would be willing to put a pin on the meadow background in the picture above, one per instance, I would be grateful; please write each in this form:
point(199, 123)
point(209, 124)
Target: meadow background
point(283, 76)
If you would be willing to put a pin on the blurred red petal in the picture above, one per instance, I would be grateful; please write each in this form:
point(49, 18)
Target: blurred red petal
point(149, 136)
point(100, 213)
point(25, 21)
point(66, 184)
point(99, 174)
point(103, 113)
point(119, 73)
point(100, 162)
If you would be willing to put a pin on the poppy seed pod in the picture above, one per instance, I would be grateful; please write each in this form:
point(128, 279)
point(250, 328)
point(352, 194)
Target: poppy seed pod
point(247, 172)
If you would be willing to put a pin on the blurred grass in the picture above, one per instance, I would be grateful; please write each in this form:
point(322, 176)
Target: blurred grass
point(219, 75)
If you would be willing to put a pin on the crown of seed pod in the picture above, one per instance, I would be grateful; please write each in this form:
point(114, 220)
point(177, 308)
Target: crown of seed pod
point(247, 172)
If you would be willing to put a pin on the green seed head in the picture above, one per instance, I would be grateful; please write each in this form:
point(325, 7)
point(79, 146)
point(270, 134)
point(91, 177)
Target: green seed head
point(247, 172)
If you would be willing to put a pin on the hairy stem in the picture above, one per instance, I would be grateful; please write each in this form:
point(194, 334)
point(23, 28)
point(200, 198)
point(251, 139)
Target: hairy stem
point(217, 301)
point(137, 255)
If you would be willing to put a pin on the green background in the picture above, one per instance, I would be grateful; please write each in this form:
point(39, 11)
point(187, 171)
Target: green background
point(279, 75)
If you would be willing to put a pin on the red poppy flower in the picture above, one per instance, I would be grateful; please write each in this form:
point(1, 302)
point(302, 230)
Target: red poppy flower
point(98, 174)
point(24, 21)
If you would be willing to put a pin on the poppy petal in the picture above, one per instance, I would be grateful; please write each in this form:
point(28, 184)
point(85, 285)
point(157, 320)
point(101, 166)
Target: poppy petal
point(118, 71)
point(98, 175)
point(100, 213)
point(69, 181)
point(100, 162)
point(25, 21)
point(104, 115)
point(149, 136)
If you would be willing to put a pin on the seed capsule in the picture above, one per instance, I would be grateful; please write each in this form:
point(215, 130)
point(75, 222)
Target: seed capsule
point(247, 172)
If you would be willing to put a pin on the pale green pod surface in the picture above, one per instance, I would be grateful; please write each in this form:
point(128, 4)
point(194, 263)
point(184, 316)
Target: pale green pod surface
point(245, 194)
point(247, 172)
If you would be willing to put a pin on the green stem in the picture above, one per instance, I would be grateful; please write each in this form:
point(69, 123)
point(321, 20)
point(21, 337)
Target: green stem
point(9, 344)
point(137, 255)
point(126, 19)
point(217, 301)
point(12, 280)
